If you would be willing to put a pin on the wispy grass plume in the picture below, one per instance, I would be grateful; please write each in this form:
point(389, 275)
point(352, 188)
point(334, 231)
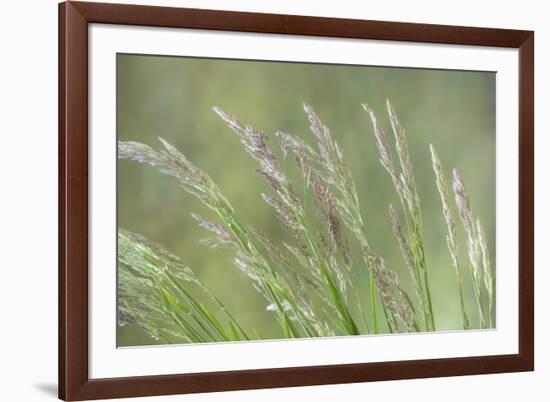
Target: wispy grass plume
point(325, 270)
point(326, 169)
point(397, 304)
point(482, 276)
point(452, 241)
point(405, 186)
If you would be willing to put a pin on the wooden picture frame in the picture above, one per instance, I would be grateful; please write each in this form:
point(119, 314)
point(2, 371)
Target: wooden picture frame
point(74, 381)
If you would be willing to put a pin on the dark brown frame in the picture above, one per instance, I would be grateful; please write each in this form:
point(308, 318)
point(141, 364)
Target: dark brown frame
point(74, 383)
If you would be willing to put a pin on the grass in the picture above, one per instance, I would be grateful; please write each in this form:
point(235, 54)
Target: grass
point(307, 279)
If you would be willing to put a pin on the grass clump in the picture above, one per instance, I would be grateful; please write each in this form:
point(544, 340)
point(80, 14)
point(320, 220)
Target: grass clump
point(307, 279)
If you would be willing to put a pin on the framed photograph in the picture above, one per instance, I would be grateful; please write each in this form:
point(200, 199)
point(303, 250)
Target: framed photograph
point(259, 200)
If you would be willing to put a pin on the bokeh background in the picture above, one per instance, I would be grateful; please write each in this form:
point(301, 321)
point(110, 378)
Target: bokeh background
point(172, 98)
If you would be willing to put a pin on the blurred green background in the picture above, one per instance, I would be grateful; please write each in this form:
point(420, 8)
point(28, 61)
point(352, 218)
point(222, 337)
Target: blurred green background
point(172, 98)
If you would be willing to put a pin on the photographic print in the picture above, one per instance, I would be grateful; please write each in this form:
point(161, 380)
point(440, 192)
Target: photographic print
point(267, 200)
point(252, 200)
